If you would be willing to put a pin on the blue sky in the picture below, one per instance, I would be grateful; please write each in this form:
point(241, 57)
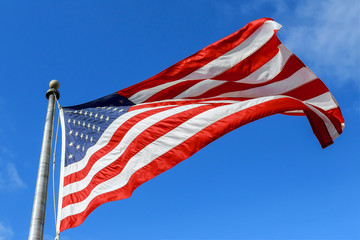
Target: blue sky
point(267, 180)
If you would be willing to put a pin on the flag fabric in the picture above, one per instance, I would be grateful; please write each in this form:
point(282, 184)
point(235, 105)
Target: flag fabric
point(114, 144)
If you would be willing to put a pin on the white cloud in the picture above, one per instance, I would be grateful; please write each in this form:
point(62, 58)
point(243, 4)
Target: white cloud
point(326, 34)
point(6, 232)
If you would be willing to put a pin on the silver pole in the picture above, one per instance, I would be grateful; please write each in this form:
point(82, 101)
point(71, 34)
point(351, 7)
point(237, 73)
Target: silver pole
point(38, 213)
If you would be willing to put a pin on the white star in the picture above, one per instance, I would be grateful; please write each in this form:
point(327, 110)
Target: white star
point(86, 137)
point(121, 110)
point(69, 120)
point(80, 112)
point(85, 113)
point(84, 124)
point(115, 109)
point(81, 136)
point(89, 125)
point(75, 112)
point(107, 118)
point(109, 108)
point(103, 107)
point(91, 139)
point(70, 132)
point(93, 128)
point(70, 144)
point(98, 129)
point(74, 121)
point(96, 115)
point(70, 156)
point(79, 123)
point(90, 114)
point(77, 147)
point(101, 117)
point(83, 148)
point(76, 134)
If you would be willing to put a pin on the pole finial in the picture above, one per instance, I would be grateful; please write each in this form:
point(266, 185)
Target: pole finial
point(54, 86)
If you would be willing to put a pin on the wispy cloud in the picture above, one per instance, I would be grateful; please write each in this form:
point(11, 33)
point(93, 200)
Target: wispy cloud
point(6, 232)
point(9, 176)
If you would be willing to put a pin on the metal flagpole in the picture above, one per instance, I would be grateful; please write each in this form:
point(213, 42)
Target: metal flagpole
point(38, 213)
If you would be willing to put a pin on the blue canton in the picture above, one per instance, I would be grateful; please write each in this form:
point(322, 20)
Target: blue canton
point(84, 127)
point(85, 123)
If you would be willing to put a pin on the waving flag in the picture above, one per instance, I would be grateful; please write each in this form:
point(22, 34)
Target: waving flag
point(114, 144)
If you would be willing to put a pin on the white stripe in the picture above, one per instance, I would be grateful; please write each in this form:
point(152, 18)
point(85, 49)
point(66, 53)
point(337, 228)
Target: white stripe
point(130, 135)
point(104, 139)
point(324, 101)
point(62, 165)
point(219, 65)
point(222, 101)
point(200, 88)
point(270, 69)
point(295, 112)
point(299, 78)
point(161, 146)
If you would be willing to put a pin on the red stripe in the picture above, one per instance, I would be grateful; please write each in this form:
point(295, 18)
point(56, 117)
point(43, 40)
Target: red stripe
point(142, 140)
point(195, 143)
point(197, 60)
point(309, 90)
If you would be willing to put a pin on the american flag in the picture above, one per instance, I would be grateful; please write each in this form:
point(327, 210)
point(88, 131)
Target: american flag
point(114, 144)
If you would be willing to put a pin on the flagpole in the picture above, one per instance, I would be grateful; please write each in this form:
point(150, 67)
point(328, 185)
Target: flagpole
point(38, 213)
